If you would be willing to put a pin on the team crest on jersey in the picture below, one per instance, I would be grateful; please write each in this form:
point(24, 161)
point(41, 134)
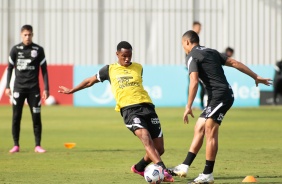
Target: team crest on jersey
point(208, 110)
point(16, 95)
point(126, 71)
point(136, 121)
point(33, 53)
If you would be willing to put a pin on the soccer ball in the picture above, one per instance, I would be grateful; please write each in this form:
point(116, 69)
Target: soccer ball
point(50, 100)
point(154, 174)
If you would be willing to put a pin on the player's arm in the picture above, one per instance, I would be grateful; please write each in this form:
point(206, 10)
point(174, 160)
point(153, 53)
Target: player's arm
point(43, 65)
point(243, 68)
point(102, 75)
point(84, 84)
point(193, 88)
point(11, 64)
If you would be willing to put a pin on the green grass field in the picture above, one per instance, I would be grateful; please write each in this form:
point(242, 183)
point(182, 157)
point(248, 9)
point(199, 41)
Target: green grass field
point(250, 143)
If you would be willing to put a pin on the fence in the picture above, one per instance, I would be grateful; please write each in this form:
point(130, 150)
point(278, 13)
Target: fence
point(86, 32)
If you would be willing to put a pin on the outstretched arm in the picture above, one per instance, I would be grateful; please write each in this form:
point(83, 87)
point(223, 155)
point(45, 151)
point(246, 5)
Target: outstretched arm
point(84, 84)
point(243, 68)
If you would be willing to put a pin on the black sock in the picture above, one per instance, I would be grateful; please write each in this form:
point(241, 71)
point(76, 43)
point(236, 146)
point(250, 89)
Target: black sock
point(161, 164)
point(140, 166)
point(189, 159)
point(209, 167)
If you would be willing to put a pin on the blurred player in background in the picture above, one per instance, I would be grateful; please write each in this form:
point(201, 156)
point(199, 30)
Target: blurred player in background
point(197, 27)
point(134, 104)
point(206, 65)
point(277, 83)
point(27, 58)
point(229, 52)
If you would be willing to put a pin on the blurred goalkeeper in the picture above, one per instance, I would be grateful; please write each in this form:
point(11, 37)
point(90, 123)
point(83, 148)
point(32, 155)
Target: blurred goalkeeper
point(205, 64)
point(134, 104)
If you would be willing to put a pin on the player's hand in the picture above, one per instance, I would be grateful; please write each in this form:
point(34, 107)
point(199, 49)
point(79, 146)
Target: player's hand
point(263, 81)
point(45, 94)
point(64, 90)
point(8, 91)
point(185, 115)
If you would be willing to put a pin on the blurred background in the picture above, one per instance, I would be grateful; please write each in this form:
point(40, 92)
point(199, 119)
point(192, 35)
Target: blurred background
point(80, 36)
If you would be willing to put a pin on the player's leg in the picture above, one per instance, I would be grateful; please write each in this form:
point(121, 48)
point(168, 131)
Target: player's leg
point(151, 152)
point(211, 133)
point(217, 111)
point(151, 136)
point(146, 160)
point(18, 103)
point(145, 138)
point(199, 132)
point(34, 101)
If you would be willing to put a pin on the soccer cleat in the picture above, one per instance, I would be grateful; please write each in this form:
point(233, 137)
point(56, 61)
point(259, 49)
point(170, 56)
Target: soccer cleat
point(203, 179)
point(137, 172)
point(167, 177)
point(15, 149)
point(180, 170)
point(39, 149)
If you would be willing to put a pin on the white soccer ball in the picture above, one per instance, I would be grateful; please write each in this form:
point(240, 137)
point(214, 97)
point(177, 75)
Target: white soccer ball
point(154, 174)
point(50, 100)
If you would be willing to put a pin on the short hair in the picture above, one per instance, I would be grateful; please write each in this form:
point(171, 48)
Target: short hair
point(196, 23)
point(229, 49)
point(123, 45)
point(192, 36)
point(27, 27)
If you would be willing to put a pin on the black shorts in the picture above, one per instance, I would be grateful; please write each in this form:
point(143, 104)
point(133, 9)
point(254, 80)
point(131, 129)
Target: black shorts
point(142, 116)
point(218, 106)
point(33, 100)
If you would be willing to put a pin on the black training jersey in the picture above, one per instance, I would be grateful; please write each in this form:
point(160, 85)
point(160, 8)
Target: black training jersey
point(27, 60)
point(208, 63)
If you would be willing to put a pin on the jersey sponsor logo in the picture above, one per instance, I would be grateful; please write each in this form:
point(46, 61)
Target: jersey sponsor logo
point(155, 121)
point(33, 53)
point(136, 121)
point(23, 64)
point(20, 55)
point(34, 47)
point(220, 117)
point(20, 47)
point(125, 82)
